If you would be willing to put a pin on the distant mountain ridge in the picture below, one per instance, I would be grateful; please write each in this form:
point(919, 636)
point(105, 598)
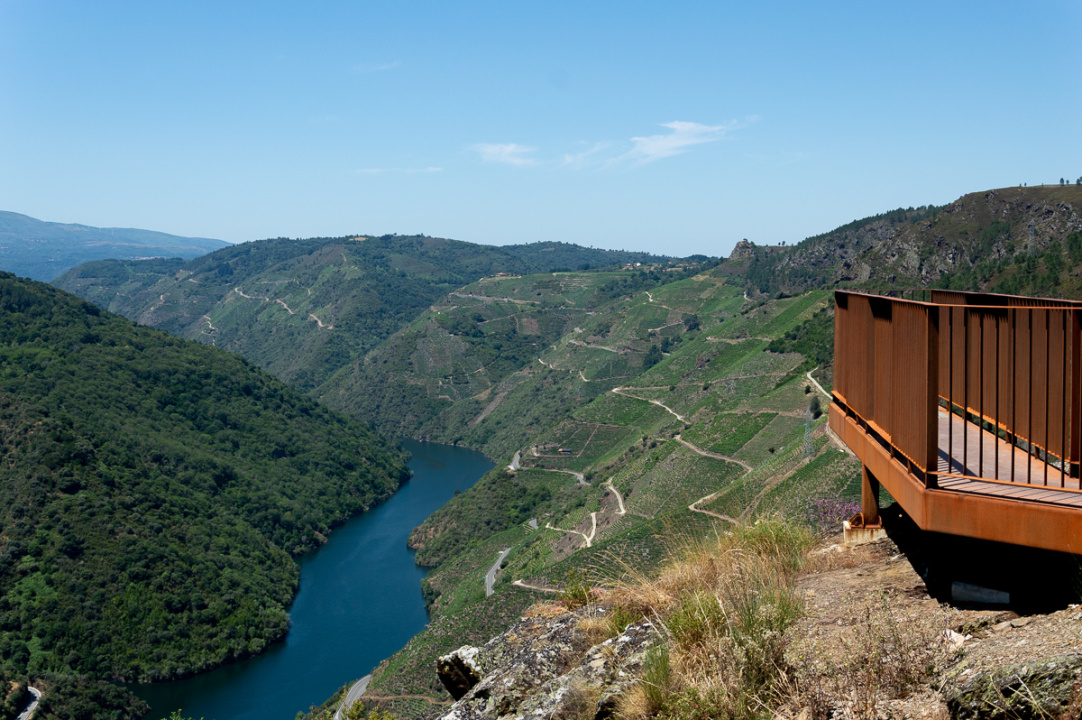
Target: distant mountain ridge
point(43, 250)
point(302, 309)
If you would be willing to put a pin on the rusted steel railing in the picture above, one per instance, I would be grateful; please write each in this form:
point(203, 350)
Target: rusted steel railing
point(885, 373)
point(999, 375)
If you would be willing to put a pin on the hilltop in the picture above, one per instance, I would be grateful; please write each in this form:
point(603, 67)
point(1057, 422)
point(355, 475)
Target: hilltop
point(45, 250)
point(1010, 240)
point(152, 496)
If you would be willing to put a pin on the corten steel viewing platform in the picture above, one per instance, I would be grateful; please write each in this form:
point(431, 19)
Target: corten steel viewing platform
point(967, 408)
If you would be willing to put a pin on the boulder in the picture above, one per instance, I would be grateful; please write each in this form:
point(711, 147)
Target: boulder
point(546, 667)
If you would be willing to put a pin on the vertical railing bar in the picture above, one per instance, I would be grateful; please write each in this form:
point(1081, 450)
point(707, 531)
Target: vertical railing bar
point(1063, 409)
point(1029, 405)
point(934, 324)
point(1047, 381)
point(995, 425)
point(1013, 327)
point(1076, 395)
point(965, 391)
point(950, 389)
point(980, 397)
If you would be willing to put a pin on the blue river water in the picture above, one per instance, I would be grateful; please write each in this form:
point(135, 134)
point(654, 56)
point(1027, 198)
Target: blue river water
point(359, 602)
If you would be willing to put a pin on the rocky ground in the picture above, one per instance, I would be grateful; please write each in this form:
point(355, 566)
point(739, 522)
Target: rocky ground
point(871, 643)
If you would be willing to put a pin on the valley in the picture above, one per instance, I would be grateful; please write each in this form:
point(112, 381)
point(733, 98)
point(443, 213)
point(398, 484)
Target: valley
point(630, 403)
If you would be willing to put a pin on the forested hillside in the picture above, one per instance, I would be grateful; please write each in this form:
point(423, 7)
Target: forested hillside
point(302, 309)
point(623, 405)
point(152, 493)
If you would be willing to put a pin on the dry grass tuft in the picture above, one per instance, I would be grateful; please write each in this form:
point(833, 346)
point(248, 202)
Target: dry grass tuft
point(544, 610)
point(579, 703)
point(723, 605)
point(595, 628)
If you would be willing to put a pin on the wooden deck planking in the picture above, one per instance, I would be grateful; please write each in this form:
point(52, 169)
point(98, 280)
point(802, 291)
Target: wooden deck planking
point(982, 449)
point(983, 487)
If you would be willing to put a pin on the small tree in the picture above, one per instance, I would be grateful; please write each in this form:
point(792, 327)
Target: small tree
point(815, 408)
point(653, 357)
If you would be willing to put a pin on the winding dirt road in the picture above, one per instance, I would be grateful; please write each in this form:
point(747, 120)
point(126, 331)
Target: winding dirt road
point(709, 454)
point(620, 391)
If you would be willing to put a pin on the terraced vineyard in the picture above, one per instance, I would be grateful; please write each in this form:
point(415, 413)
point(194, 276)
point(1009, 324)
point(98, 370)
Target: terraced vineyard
point(621, 448)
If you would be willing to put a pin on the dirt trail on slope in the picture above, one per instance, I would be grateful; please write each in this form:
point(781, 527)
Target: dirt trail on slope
point(620, 391)
point(709, 454)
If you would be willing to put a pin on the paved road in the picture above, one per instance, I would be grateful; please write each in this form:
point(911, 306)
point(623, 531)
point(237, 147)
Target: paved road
point(577, 475)
point(352, 696)
point(25, 714)
point(490, 576)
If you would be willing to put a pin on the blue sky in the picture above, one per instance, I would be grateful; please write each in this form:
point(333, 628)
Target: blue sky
point(670, 127)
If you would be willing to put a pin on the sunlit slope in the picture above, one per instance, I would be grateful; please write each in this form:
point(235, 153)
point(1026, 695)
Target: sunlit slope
point(716, 430)
point(477, 367)
point(1018, 240)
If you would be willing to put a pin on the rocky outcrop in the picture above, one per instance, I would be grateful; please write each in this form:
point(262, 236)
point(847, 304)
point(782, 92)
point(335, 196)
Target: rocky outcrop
point(912, 248)
point(1044, 688)
point(1018, 668)
point(742, 250)
point(545, 667)
point(458, 671)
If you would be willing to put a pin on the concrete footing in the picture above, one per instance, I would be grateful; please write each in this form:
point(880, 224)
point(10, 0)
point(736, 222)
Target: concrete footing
point(968, 593)
point(855, 536)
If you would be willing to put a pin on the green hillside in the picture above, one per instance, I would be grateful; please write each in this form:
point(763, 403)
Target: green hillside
point(152, 493)
point(303, 309)
point(44, 250)
point(453, 374)
point(620, 445)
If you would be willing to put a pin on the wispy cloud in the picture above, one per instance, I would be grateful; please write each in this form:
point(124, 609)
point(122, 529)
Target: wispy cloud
point(580, 160)
point(682, 136)
point(376, 67)
point(506, 153)
point(404, 171)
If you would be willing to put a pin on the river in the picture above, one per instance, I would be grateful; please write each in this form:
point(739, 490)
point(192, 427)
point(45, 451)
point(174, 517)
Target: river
point(359, 602)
